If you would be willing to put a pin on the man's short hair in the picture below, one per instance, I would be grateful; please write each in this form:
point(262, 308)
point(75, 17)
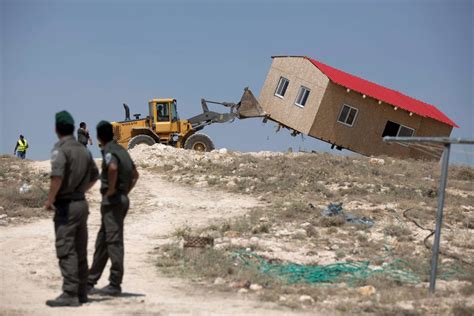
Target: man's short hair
point(105, 131)
point(64, 129)
point(82, 124)
point(21, 136)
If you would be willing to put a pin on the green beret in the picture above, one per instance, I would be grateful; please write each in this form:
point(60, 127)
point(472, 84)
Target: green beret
point(64, 118)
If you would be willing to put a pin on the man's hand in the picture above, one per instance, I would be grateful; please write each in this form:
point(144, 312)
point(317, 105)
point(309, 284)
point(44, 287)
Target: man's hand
point(53, 191)
point(49, 205)
point(110, 192)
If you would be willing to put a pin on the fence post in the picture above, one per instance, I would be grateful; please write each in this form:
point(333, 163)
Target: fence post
point(439, 216)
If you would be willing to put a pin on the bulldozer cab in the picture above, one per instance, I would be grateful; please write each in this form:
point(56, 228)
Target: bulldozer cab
point(164, 115)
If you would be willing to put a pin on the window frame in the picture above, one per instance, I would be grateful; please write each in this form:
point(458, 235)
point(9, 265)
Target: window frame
point(299, 90)
point(348, 113)
point(282, 79)
point(407, 127)
point(398, 132)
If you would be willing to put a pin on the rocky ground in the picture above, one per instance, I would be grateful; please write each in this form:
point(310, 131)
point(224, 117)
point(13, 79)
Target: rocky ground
point(288, 227)
point(263, 204)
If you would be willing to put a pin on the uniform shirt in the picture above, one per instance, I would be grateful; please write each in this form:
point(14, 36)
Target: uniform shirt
point(74, 164)
point(114, 153)
point(82, 136)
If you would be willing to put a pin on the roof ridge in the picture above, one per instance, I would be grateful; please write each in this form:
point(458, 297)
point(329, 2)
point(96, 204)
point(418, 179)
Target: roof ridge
point(381, 93)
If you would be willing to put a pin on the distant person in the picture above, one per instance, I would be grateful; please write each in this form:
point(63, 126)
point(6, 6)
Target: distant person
point(83, 134)
point(118, 177)
point(20, 148)
point(73, 172)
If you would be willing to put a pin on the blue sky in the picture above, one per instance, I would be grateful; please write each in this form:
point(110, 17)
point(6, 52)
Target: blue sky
point(89, 57)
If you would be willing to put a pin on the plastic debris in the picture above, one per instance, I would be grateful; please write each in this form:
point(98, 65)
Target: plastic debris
point(349, 272)
point(25, 188)
point(336, 209)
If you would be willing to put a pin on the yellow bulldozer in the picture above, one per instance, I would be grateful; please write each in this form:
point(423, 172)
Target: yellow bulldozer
point(163, 125)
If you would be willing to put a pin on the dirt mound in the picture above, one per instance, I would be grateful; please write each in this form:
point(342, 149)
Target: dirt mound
point(160, 155)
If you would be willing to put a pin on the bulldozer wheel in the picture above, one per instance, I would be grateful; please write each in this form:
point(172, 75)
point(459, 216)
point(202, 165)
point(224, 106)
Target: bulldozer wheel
point(199, 142)
point(141, 139)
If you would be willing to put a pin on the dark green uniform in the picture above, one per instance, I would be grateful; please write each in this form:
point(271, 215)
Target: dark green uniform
point(75, 165)
point(109, 243)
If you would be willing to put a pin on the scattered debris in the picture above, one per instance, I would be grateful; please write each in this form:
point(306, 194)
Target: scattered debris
point(219, 281)
point(25, 188)
point(368, 290)
point(336, 210)
point(256, 287)
point(306, 299)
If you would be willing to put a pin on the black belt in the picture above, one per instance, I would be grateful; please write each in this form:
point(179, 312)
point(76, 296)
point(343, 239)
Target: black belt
point(76, 196)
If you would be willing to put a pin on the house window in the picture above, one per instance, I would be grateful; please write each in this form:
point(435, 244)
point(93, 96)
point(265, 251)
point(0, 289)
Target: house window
point(281, 87)
point(348, 115)
point(302, 97)
point(395, 129)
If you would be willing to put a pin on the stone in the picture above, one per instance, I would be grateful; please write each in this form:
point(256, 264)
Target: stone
point(231, 184)
point(223, 151)
point(232, 234)
point(242, 291)
point(367, 290)
point(254, 240)
point(377, 161)
point(282, 298)
point(306, 224)
point(201, 184)
point(306, 299)
point(256, 287)
point(299, 232)
point(219, 281)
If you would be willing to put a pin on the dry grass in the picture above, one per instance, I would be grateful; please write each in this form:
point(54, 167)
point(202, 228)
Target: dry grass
point(298, 187)
point(13, 174)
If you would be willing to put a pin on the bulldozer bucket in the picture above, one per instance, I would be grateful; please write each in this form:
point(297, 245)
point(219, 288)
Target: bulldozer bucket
point(249, 107)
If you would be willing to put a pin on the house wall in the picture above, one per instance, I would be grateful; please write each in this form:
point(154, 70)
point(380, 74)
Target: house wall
point(298, 71)
point(365, 136)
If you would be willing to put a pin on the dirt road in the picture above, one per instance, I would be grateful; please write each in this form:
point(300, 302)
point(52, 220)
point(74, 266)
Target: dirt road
point(29, 273)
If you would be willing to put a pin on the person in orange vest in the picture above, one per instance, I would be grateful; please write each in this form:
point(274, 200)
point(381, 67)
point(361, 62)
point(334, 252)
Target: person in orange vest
point(21, 147)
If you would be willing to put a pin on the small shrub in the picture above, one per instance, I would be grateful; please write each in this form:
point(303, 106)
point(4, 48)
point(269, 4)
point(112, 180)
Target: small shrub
point(396, 230)
point(328, 221)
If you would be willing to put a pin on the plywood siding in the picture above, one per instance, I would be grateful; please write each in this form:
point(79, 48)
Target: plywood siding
point(365, 136)
point(300, 72)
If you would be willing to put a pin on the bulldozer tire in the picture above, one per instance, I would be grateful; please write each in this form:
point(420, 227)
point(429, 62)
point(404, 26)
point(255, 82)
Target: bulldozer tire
point(199, 142)
point(141, 139)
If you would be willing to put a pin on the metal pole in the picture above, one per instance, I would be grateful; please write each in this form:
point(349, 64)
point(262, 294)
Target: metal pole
point(439, 216)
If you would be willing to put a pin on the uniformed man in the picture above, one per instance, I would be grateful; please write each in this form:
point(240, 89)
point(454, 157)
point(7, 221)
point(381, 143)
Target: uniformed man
point(118, 177)
point(21, 147)
point(73, 172)
point(83, 136)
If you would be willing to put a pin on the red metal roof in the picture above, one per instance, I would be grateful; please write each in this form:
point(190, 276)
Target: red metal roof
point(381, 93)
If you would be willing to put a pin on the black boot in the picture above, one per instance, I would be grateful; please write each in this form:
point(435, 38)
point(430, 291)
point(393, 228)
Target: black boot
point(83, 298)
point(64, 299)
point(82, 294)
point(111, 290)
point(91, 290)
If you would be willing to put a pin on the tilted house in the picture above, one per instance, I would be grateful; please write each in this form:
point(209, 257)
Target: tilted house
point(349, 112)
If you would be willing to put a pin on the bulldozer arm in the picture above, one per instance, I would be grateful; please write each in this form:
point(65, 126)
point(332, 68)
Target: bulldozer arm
point(248, 106)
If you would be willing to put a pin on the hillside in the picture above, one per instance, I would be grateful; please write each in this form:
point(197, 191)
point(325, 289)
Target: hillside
point(274, 251)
